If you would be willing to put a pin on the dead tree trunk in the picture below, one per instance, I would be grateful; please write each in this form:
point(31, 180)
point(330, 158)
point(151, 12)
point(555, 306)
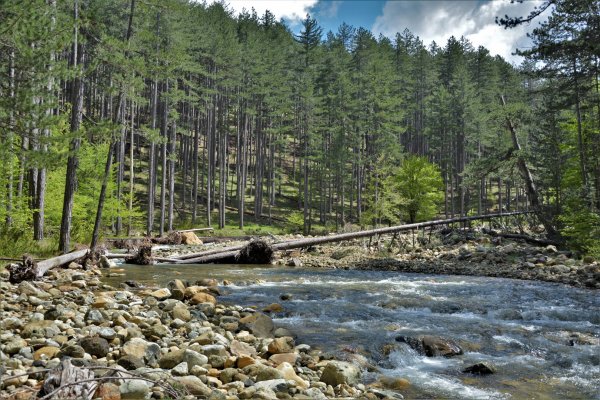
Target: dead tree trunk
point(30, 270)
point(530, 186)
point(215, 256)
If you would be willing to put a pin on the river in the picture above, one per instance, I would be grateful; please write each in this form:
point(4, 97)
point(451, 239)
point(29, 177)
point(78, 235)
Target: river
point(531, 332)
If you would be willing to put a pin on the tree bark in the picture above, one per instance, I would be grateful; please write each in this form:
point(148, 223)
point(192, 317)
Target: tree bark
point(73, 159)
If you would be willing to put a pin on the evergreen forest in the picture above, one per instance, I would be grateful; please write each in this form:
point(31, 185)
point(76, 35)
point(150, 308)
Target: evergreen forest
point(130, 117)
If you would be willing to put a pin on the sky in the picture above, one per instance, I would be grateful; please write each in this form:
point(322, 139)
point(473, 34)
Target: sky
point(431, 20)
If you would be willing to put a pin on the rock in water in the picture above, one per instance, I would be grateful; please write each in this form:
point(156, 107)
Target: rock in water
point(431, 346)
point(340, 372)
point(480, 369)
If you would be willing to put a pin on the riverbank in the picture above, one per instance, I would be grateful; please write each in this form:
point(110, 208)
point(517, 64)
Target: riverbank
point(455, 253)
point(171, 342)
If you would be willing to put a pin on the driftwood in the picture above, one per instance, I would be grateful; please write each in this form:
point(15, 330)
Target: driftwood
point(30, 270)
point(67, 381)
point(143, 257)
point(231, 254)
point(518, 236)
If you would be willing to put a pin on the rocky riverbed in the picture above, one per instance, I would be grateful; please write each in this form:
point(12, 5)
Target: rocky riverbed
point(170, 342)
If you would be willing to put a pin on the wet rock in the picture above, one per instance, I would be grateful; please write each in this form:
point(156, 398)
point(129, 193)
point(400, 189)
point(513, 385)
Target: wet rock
point(209, 282)
point(95, 346)
point(340, 372)
point(281, 332)
point(273, 308)
point(285, 296)
point(431, 346)
point(260, 325)
point(480, 369)
point(394, 383)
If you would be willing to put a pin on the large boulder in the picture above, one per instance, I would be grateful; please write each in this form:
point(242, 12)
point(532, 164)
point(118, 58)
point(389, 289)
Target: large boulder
point(340, 372)
point(259, 324)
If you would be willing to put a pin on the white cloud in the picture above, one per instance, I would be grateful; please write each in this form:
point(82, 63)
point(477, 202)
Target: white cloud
point(291, 10)
point(330, 8)
point(438, 20)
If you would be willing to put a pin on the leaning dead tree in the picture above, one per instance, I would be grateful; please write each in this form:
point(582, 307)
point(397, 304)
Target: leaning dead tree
point(530, 186)
point(243, 254)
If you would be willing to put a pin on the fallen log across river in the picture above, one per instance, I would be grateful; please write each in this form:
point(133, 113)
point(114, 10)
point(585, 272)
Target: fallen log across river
point(243, 255)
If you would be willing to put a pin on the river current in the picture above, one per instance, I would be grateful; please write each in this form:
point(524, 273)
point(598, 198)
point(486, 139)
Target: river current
point(542, 338)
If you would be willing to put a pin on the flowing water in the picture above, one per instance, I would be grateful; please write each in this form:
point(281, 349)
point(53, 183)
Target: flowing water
point(522, 328)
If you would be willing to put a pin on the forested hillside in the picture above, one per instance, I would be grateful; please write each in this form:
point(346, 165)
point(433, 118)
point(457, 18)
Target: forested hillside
point(123, 116)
